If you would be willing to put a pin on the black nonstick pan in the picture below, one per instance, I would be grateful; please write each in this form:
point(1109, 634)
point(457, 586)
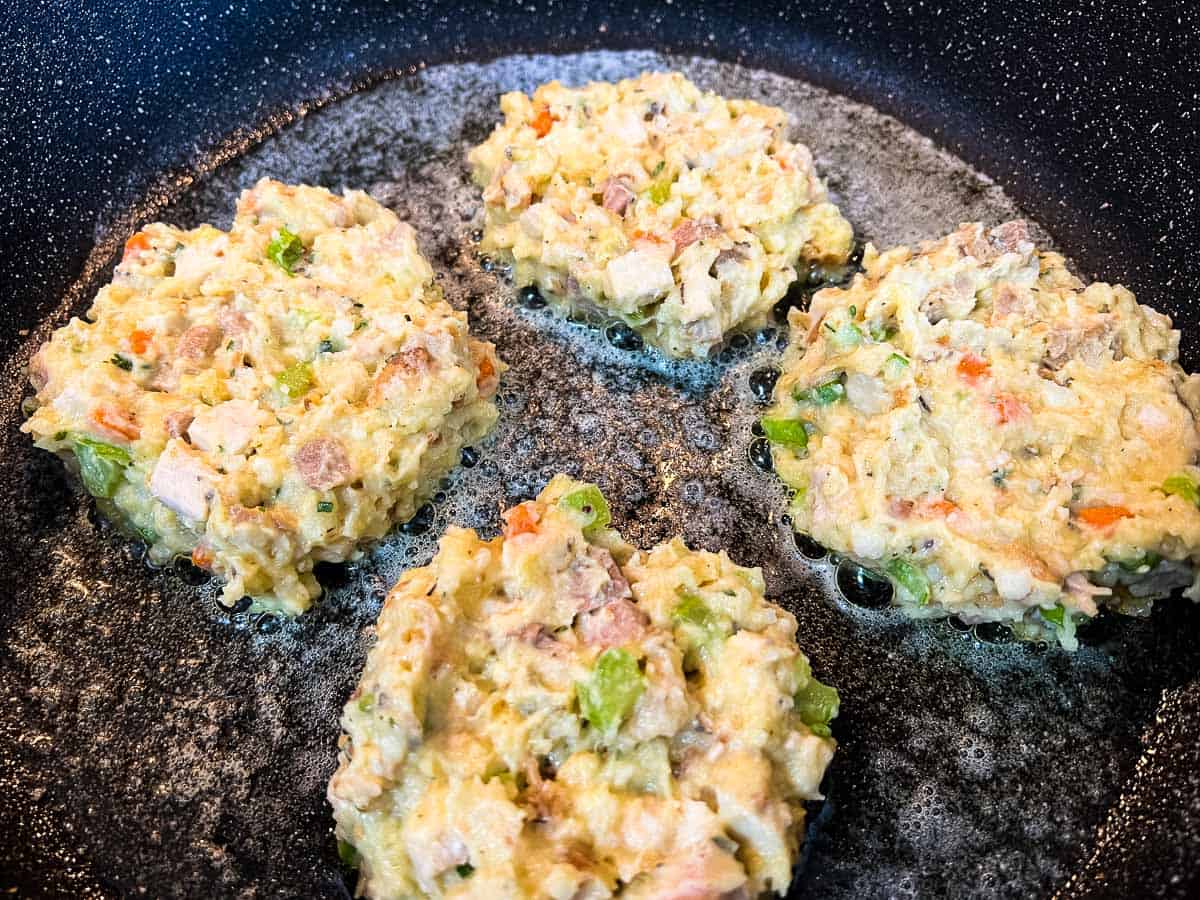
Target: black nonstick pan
point(153, 745)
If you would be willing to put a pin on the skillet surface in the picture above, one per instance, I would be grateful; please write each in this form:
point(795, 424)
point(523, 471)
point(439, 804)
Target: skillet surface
point(149, 745)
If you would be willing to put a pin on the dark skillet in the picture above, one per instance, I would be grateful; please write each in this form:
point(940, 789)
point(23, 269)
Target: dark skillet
point(151, 745)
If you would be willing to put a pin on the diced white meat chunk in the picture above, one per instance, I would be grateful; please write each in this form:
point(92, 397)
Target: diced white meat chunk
point(182, 481)
point(637, 276)
point(228, 427)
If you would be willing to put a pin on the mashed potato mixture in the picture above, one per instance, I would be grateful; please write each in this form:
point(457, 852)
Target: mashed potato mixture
point(673, 209)
point(555, 714)
point(267, 397)
point(1003, 442)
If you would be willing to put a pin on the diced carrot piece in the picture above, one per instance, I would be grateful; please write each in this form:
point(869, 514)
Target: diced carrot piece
point(1008, 408)
point(202, 556)
point(520, 520)
point(940, 507)
point(115, 421)
point(972, 367)
point(542, 122)
point(139, 341)
point(1102, 516)
point(138, 242)
point(486, 371)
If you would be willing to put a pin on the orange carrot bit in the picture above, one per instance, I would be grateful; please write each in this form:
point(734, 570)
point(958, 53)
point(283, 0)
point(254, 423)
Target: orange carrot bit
point(939, 507)
point(1102, 516)
point(543, 121)
point(138, 242)
point(972, 367)
point(202, 556)
point(1008, 408)
point(521, 519)
point(115, 421)
point(486, 371)
point(139, 341)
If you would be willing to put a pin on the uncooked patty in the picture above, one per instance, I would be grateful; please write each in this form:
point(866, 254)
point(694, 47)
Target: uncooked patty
point(553, 713)
point(1004, 442)
point(673, 209)
point(267, 397)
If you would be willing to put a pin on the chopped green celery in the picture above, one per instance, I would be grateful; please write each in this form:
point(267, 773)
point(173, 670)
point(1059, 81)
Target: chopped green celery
point(590, 504)
point(296, 380)
point(824, 394)
point(894, 366)
point(845, 337)
point(285, 249)
point(1054, 615)
point(912, 585)
point(700, 625)
point(692, 610)
point(101, 465)
point(609, 695)
point(789, 432)
point(1183, 486)
point(347, 853)
point(324, 506)
point(659, 192)
point(1064, 625)
point(646, 769)
point(881, 331)
point(816, 703)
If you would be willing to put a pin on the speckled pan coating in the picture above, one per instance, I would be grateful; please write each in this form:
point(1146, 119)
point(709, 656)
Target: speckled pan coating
point(138, 754)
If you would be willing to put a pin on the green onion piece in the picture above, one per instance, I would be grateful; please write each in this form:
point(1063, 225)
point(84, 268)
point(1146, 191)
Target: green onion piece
point(816, 703)
point(894, 366)
point(465, 870)
point(590, 504)
point(662, 164)
point(285, 250)
point(789, 432)
point(1183, 486)
point(296, 380)
point(366, 703)
point(846, 337)
point(1138, 564)
point(823, 394)
point(912, 585)
point(324, 506)
point(609, 695)
point(122, 362)
point(347, 853)
point(660, 192)
point(1054, 615)
point(326, 346)
point(101, 466)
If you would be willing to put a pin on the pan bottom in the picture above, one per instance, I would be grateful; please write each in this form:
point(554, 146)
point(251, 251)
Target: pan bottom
point(154, 744)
